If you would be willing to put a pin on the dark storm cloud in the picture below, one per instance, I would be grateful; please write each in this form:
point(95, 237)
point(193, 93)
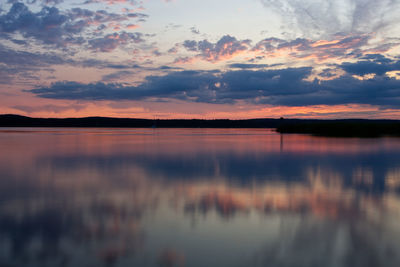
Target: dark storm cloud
point(52, 26)
point(289, 87)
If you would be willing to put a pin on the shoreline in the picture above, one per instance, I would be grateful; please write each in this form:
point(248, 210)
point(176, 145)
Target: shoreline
point(328, 128)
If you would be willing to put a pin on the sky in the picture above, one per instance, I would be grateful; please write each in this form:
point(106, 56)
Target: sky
point(209, 59)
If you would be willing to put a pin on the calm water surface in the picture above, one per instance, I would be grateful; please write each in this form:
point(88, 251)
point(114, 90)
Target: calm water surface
point(197, 197)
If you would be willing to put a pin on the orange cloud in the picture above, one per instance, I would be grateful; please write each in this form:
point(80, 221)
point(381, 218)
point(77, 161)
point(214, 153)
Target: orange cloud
point(132, 26)
point(306, 49)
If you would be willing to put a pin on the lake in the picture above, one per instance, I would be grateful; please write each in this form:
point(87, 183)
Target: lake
point(197, 197)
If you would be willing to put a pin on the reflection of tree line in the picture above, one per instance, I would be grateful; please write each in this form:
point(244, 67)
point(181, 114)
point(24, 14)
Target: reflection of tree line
point(315, 242)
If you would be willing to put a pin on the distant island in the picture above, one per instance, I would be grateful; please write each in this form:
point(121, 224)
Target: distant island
point(11, 120)
point(333, 128)
point(343, 128)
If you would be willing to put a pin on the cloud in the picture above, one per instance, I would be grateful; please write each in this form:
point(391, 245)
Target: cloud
point(117, 75)
point(338, 47)
point(190, 45)
point(113, 2)
point(132, 26)
point(288, 87)
point(225, 48)
point(118, 66)
point(323, 18)
point(249, 66)
point(380, 91)
point(17, 66)
point(194, 30)
point(48, 108)
point(228, 47)
point(52, 26)
point(42, 2)
point(111, 41)
point(47, 25)
point(184, 60)
point(327, 73)
point(179, 85)
point(12, 57)
point(23, 64)
point(379, 65)
point(52, 2)
point(15, 62)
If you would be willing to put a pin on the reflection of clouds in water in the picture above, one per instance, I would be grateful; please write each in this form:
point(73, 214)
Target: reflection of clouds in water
point(241, 168)
point(323, 197)
point(105, 201)
point(311, 242)
point(392, 179)
point(59, 234)
point(171, 258)
point(225, 204)
point(319, 226)
point(322, 224)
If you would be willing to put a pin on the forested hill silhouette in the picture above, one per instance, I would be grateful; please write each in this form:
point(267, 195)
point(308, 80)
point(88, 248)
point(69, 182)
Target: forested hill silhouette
point(343, 128)
point(10, 120)
point(340, 128)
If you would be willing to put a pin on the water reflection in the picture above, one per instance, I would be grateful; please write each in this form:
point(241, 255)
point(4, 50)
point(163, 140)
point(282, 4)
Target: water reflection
point(118, 197)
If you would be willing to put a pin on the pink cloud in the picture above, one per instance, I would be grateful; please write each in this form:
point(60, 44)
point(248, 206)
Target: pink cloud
point(132, 26)
point(225, 48)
